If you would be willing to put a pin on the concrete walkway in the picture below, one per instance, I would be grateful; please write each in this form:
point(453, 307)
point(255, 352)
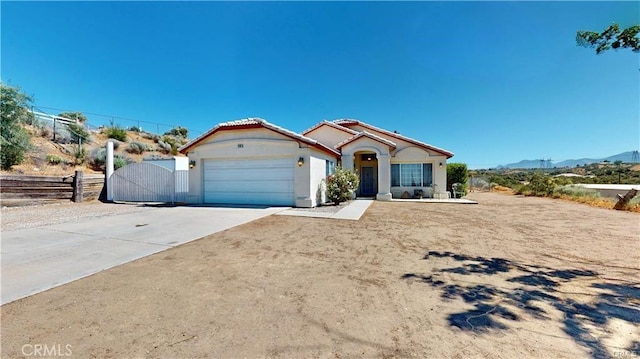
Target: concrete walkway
point(352, 212)
point(36, 259)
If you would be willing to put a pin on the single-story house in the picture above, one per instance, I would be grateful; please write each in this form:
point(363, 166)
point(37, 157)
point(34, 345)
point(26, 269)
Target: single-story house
point(252, 161)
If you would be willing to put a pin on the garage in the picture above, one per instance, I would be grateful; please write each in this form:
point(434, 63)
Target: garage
point(249, 181)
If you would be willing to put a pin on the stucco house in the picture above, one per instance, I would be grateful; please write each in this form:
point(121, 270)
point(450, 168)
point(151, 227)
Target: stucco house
point(252, 161)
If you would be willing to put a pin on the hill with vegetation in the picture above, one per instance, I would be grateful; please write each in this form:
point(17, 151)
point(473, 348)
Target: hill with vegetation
point(59, 145)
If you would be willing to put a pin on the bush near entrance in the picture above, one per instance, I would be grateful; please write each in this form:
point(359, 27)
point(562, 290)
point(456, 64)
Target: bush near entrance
point(341, 185)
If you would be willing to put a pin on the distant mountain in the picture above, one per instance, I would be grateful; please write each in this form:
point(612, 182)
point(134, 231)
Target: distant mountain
point(573, 163)
point(523, 164)
point(626, 157)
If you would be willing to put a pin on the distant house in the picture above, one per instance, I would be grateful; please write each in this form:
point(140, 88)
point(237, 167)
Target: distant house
point(252, 161)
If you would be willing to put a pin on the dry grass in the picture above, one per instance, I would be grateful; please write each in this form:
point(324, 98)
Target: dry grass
point(598, 202)
point(36, 160)
point(502, 189)
point(510, 277)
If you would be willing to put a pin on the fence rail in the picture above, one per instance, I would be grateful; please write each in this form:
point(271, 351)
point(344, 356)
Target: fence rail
point(29, 190)
point(479, 184)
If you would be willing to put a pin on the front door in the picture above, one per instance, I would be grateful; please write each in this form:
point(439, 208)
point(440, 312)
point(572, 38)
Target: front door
point(367, 183)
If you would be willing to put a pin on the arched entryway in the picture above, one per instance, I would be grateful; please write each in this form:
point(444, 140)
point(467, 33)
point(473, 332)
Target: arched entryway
point(366, 165)
point(372, 164)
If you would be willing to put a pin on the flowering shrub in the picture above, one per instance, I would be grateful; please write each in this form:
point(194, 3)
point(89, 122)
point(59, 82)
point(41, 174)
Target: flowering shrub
point(341, 185)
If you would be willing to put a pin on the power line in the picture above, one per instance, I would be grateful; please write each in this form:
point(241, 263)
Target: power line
point(114, 117)
point(110, 116)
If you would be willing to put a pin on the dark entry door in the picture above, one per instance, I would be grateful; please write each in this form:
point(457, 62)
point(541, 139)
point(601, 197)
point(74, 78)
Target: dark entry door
point(367, 182)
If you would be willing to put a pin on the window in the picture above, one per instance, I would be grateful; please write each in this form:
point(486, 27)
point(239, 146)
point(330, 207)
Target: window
point(330, 168)
point(395, 175)
point(411, 175)
point(427, 174)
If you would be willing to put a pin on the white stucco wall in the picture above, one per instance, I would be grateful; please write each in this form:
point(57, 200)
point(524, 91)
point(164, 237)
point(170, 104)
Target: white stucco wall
point(318, 172)
point(415, 154)
point(329, 136)
point(177, 163)
point(365, 144)
point(406, 152)
point(259, 144)
point(309, 180)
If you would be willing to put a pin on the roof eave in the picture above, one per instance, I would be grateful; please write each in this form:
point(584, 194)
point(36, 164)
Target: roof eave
point(398, 136)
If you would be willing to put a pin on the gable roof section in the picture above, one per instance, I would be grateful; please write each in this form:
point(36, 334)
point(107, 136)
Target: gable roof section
point(257, 123)
point(367, 135)
point(351, 122)
point(331, 124)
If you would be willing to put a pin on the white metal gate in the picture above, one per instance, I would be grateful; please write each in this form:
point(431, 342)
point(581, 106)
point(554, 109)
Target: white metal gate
point(145, 182)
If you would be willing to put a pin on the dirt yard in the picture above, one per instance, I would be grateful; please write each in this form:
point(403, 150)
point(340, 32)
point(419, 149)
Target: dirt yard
point(511, 277)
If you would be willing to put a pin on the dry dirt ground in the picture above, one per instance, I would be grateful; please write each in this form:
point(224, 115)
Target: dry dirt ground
point(511, 277)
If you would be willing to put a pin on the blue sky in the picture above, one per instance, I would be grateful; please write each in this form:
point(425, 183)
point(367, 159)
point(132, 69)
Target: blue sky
point(493, 82)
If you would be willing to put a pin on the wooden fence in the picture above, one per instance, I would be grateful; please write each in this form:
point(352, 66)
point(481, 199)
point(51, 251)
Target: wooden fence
point(29, 190)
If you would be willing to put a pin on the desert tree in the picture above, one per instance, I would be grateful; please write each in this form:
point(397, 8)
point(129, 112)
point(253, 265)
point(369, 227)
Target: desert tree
point(14, 113)
point(611, 38)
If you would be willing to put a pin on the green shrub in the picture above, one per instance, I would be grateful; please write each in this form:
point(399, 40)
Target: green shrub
point(341, 185)
point(178, 131)
point(53, 160)
point(78, 132)
point(150, 136)
point(541, 185)
point(576, 191)
point(80, 155)
point(44, 132)
point(504, 181)
point(164, 147)
point(98, 157)
point(172, 142)
point(119, 162)
point(137, 148)
point(15, 140)
point(457, 173)
point(135, 129)
point(117, 133)
point(116, 143)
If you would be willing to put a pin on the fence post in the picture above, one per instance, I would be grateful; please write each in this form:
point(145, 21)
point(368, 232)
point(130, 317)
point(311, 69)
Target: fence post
point(78, 187)
point(109, 171)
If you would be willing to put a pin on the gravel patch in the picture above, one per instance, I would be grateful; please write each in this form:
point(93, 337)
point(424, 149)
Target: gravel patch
point(13, 218)
point(326, 208)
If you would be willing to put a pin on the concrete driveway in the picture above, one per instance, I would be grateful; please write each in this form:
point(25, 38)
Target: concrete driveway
point(36, 259)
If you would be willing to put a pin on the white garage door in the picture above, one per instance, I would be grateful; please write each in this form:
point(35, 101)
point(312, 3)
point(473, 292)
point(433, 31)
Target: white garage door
point(265, 181)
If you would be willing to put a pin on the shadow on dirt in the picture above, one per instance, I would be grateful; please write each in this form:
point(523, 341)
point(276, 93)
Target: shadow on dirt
point(538, 285)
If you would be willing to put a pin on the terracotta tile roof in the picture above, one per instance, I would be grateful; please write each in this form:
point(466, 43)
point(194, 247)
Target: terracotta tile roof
point(329, 123)
point(256, 122)
point(351, 122)
point(368, 135)
point(243, 122)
